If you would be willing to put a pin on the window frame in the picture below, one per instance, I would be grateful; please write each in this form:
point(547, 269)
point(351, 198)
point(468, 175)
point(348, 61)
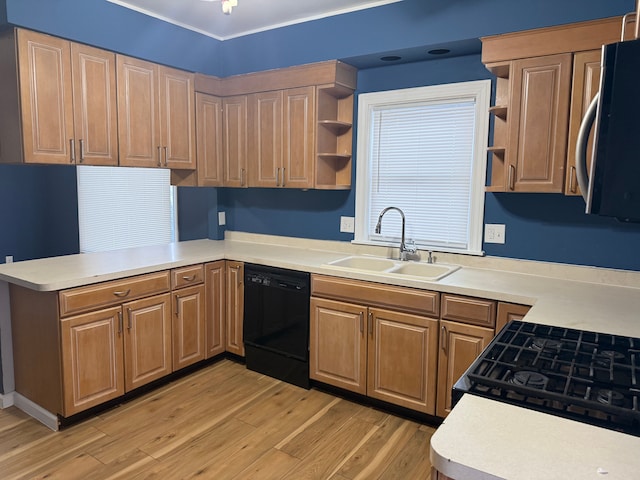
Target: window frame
point(480, 92)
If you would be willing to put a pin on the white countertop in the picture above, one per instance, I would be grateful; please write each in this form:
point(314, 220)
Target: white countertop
point(480, 439)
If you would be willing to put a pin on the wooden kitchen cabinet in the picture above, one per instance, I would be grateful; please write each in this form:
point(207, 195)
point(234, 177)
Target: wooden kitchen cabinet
point(533, 148)
point(209, 140)
point(236, 139)
point(113, 351)
point(508, 312)
point(188, 316)
point(383, 353)
point(64, 107)
point(235, 307)
point(92, 359)
point(281, 147)
point(545, 78)
point(156, 115)
point(460, 345)
point(215, 308)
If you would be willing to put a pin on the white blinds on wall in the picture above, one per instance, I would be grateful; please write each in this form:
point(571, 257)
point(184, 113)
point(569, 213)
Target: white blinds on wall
point(124, 207)
point(421, 161)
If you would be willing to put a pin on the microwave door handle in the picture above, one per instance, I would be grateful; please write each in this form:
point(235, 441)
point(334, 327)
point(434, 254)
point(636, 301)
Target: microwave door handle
point(581, 148)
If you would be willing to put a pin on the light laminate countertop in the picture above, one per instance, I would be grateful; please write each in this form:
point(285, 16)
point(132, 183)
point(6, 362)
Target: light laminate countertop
point(480, 439)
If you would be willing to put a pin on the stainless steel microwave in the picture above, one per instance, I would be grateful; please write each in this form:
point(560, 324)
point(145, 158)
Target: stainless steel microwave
point(613, 185)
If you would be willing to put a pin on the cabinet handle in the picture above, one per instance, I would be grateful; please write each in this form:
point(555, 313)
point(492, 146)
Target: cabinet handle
point(72, 150)
point(177, 305)
point(572, 180)
point(122, 293)
point(81, 142)
point(370, 322)
point(166, 156)
point(512, 172)
point(120, 322)
point(443, 339)
point(282, 182)
point(159, 156)
point(361, 322)
point(129, 321)
point(277, 177)
point(189, 278)
point(242, 177)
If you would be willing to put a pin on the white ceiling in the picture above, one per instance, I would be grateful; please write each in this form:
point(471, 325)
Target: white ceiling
point(250, 16)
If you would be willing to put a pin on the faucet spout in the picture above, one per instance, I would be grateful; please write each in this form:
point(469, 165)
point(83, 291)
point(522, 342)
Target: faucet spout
point(403, 247)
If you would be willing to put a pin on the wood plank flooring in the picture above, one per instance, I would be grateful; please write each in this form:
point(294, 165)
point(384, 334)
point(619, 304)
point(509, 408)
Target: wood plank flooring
point(221, 422)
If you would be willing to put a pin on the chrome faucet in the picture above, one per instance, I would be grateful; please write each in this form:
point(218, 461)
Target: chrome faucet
point(403, 246)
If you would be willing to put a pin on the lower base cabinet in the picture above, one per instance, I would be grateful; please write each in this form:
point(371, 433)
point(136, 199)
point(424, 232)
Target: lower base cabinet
point(235, 307)
point(113, 351)
point(388, 355)
point(460, 345)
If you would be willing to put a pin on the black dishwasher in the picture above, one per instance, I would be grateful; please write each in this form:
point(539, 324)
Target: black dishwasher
point(276, 323)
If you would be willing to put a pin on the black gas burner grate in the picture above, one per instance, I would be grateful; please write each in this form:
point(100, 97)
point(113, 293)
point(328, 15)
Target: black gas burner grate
point(582, 375)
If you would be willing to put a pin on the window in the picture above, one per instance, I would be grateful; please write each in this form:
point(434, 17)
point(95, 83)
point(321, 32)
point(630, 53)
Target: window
point(125, 207)
point(423, 150)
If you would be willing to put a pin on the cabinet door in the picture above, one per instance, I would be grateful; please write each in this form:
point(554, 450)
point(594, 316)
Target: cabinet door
point(177, 118)
point(92, 360)
point(508, 312)
point(235, 308)
point(299, 137)
point(460, 345)
point(403, 359)
point(188, 326)
point(45, 98)
point(265, 144)
point(586, 83)
point(94, 102)
point(138, 113)
point(234, 114)
point(147, 340)
point(215, 311)
point(338, 344)
point(539, 114)
point(209, 140)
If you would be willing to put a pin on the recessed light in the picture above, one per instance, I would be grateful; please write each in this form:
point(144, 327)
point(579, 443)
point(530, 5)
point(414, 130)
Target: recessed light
point(390, 58)
point(439, 51)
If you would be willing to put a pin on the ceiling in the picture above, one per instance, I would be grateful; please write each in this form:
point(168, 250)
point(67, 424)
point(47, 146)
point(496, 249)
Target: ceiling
point(250, 16)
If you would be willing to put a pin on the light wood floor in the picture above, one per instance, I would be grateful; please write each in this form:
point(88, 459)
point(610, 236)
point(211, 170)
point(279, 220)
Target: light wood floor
point(221, 422)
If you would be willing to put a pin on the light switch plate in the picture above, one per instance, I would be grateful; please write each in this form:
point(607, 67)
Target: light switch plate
point(347, 224)
point(494, 233)
point(222, 218)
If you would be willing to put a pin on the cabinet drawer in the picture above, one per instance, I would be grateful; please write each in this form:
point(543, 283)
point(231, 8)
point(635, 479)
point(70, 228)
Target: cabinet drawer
point(186, 276)
point(105, 294)
point(403, 299)
point(476, 311)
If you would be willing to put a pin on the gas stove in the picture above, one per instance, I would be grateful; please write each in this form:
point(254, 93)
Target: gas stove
point(585, 376)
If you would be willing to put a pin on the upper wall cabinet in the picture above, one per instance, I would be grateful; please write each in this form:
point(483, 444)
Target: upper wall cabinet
point(156, 115)
point(544, 78)
point(286, 128)
point(64, 108)
point(209, 151)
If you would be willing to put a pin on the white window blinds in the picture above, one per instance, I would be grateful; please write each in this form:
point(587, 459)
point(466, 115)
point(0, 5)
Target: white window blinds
point(124, 207)
point(423, 156)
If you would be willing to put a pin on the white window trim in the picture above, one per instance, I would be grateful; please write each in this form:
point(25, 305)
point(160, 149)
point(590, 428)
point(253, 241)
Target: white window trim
point(480, 92)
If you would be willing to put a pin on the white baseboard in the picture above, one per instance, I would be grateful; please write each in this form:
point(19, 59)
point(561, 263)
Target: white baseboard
point(36, 411)
point(6, 399)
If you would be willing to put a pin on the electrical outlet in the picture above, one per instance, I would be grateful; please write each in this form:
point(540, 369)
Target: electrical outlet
point(222, 218)
point(347, 224)
point(494, 233)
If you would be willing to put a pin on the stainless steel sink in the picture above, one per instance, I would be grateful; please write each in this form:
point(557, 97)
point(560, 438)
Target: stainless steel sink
point(394, 268)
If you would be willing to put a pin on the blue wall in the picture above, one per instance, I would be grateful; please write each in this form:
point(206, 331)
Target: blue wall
point(39, 204)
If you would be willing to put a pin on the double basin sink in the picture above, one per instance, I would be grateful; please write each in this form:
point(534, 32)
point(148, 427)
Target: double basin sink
point(423, 271)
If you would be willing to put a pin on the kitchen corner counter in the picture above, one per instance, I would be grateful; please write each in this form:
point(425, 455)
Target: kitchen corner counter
point(486, 440)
